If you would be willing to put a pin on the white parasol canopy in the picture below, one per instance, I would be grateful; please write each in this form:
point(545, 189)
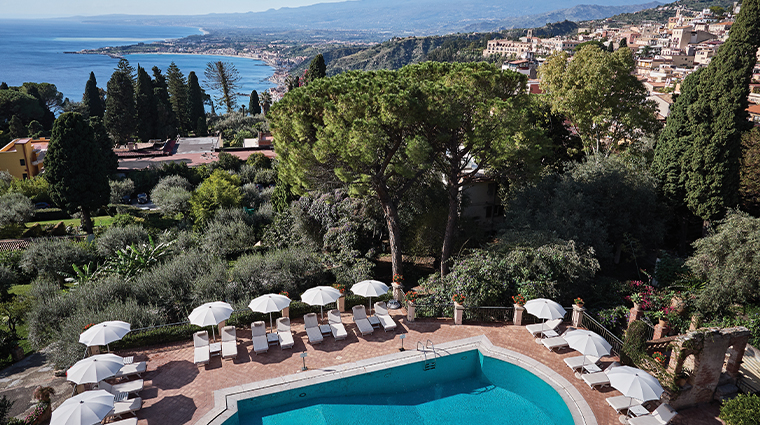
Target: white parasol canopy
point(370, 288)
point(635, 383)
point(104, 333)
point(94, 369)
point(545, 309)
point(88, 408)
point(211, 314)
point(587, 343)
point(269, 303)
point(320, 295)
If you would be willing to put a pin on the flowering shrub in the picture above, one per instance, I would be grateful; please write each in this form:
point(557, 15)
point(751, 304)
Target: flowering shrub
point(658, 357)
point(518, 299)
point(36, 413)
point(458, 298)
point(578, 301)
point(642, 295)
point(613, 318)
point(411, 296)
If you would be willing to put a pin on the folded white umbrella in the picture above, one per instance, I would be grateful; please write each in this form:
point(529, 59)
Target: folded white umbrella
point(88, 408)
point(94, 369)
point(320, 295)
point(104, 333)
point(370, 288)
point(635, 383)
point(211, 314)
point(269, 303)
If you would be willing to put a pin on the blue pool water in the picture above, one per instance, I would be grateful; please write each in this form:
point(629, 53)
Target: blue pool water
point(463, 388)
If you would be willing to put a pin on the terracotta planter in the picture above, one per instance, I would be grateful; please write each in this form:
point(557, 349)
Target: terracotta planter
point(664, 323)
point(580, 305)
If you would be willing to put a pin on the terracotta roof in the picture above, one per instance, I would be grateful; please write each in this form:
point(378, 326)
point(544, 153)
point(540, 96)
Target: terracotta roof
point(754, 109)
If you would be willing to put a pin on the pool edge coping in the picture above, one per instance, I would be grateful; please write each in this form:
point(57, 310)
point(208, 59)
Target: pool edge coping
point(225, 399)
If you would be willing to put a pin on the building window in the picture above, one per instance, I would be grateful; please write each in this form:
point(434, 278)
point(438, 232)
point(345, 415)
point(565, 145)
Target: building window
point(23, 163)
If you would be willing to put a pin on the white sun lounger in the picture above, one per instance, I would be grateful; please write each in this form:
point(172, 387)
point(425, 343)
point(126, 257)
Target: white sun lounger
point(132, 369)
point(129, 421)
point(284, 332)
point(599, 379)
point(259, 337)
point(200, 341)
point(336, 324)
point(129, 387)
point(537, 328)
point(622, 403)
point(660, 416)
point(312, 328)
point(386, 321)
point(554, 343)
point(126, 407)
point(360, 318)
point(578, 362)
point(229, 342)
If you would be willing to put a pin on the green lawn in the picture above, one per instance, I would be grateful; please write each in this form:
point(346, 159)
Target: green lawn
point(104, 220)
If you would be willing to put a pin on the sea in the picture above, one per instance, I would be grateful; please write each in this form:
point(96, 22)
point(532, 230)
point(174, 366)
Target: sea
point(33, 50)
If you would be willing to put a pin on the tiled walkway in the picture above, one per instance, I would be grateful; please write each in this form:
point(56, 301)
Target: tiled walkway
point(178, 392)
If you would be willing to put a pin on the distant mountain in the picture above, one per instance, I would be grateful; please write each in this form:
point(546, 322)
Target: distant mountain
point(396, 17)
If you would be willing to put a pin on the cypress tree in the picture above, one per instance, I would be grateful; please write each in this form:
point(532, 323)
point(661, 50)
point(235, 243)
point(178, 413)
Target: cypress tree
point(3, 86)
point(146, 105)
point(317, 68)
point(93, 104)
point(195, 102)
point(178, 96)
point(16, 127)
point(164, 123)
point(253, 105)
point(623, 43)
point(120, 116)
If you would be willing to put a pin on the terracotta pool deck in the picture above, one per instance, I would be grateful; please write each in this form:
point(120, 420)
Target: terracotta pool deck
point(178, 392)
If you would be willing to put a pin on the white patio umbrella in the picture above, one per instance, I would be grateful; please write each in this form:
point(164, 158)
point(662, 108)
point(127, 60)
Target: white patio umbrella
point(211, 314)
point(320, 295)
point(634, 383)
point(545, 309)
point(88, 408)
point(94, 369)
point(269, 303)
point(588, 343)
point(104, 333)
point(369, 288)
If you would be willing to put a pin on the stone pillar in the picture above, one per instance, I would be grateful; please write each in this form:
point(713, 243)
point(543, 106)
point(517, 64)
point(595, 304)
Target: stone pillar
point(342, 304)
point(221, 326)
point(93, 350)
point(735, 356)
point(635, 314)
point(410, 311)
point(694, 323)
point(458, 313)
point(286, 312)
point(398, 292)
point(577, 315)
point(661, 330)
point(518, 315)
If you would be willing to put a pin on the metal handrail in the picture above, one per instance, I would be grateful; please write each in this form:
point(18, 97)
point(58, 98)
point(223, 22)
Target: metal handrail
point(591, 324)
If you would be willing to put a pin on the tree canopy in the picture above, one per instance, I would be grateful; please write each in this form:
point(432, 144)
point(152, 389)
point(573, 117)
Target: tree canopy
point(91, 99)
point(77, 166)
point(120, 116)
point(225, 79)
point(599, 94)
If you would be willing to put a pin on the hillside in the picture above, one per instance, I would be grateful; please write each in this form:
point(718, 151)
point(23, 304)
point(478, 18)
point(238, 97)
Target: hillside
point(662, 13)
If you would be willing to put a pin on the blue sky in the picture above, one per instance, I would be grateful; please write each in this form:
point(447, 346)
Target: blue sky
point(12, 9)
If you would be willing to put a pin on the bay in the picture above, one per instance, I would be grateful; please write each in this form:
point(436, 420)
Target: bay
point(33, 50)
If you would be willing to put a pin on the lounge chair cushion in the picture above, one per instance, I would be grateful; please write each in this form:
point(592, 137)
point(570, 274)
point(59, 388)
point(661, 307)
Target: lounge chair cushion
point(578, 362)
point(125, 407)
point(128, 421)
point(132, 369)
point(284, 332)
point(312, 328)
point(660, 416)
point(554, 343)
point(386, 321)
point(229, 342)
point(336, 325)
point(598, 379)
point(537, 328)
point(621, 403)
point(130, 387)
point(259, 337)
point(360, 318)
point(200, 342)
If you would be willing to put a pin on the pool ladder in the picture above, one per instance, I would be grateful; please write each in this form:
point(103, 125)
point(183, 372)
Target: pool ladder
point(429, 364)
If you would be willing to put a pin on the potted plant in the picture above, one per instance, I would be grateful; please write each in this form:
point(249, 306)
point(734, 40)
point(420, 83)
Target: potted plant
point(578, 301)
point(398, 279)
point(458, 298)
point(637, 300)
point(659, 357)
point(411, 297)
point(518, 299)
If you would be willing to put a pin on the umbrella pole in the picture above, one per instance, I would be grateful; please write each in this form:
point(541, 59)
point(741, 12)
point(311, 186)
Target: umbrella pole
point(270, 322)
point(322, 312)
point(213, 335)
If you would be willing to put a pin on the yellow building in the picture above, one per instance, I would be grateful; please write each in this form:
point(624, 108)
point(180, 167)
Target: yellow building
point(23, 157)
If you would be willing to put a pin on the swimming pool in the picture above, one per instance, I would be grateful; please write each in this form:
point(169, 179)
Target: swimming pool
point(472, 382)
